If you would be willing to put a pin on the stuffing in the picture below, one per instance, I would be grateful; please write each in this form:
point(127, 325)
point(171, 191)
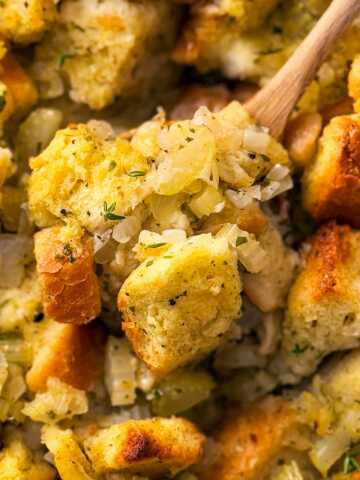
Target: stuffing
point(6, 166)
point(18, 463)
point(83, 177)
point(104, 49)
point(354, 82)
point(153, 447)
point(176, 307)
point(251, 440)
point(21, 92)
point(269, 288)
point(24, 21)
point(331, 184)
point(301, 137)
point(69, 285)
point(323, 312)
point(217, 42)
point(71, 353)
point(70, 461)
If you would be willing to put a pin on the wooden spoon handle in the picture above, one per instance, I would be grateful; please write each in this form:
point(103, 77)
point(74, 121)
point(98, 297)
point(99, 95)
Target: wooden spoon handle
point(272, 106)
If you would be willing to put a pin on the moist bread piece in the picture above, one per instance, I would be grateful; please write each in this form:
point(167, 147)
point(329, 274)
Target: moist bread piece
point(323, 313)
point(331, 184)
point(69, 285)
point(24, 21)
point(104, 49)
point(71, 353)
point(79, 173)
point(250, 440)
point(18, 463)
point(153, 447)
point(176, 307)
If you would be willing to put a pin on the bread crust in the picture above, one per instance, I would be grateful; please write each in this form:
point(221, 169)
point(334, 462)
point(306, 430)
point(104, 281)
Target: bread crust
point(71, 353)
point(150, 447)
point(249, 439)
point(332, 183)
point(70, 288)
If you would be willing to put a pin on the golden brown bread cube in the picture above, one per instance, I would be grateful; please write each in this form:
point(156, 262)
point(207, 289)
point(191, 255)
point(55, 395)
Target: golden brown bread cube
point(153, 447)
point(331, 184)
point(323, 313)
point(24, 21)
point(250, 440)
point(69, 285)
point(178, 306)
point(71, 353)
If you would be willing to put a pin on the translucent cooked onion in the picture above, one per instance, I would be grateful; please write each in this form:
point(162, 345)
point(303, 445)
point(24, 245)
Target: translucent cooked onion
point(15, 253)
point(329, 449)
point(234, 356)
point(3, 370)
point(126, 229)
point(278, 172)
point(101, 129)
point(240, 199)
point(104, 247)
point(120, 370)
point(256, 140)
point(271, 333)
point(289, 472)
point(206, 202)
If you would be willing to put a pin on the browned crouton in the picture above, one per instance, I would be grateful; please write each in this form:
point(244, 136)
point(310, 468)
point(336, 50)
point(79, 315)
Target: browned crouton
point(18, 83)
point(250, 440)
point(71, 353)
point(152, 447)
point(70, 288)
point(323, 312)
point(301, 137)
point(331, 185)
point(354, 82)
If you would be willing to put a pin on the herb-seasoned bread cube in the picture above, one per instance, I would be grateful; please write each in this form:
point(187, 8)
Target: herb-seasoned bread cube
point(153, 447)
point(84, 177)
point(331, 184)
point(323, 313)
point(24, 21)
point(104, 49)
point(251, 440)
point(69, 285)
point(177, 306)
point(70, 461)
point(71, 353)
point(17, 463)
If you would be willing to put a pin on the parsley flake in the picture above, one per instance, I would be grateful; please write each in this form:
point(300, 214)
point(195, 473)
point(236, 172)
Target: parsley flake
point(241, 241)
point(109, 212)
point(136, 173)
point(350, 464)
point(156, 245)
point(2, 102)
point(298, 350)
point(64, 57)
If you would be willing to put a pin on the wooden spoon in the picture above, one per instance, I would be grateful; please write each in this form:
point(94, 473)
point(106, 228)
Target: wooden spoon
point(272, 105)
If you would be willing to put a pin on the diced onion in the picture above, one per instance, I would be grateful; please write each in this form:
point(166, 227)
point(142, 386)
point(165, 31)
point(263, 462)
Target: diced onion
point(240, 199)
point(208, 201)
point(3, 370)
point(278, 172)
point(329, 449)
point(101, 129)
point(126, 229)
point(289, 472)
point(120, 369)
point(104, 247)
point(15, 253)
point(233, 356)
point(256, 140)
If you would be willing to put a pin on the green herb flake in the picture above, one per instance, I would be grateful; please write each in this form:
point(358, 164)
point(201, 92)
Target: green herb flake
point(149, 263)
point(136, 173)
point(112, 165)
point(156, 245)
point(64, 57)
point(350, 464)
point(298, 350)
point(241, 241)
point(109, 212)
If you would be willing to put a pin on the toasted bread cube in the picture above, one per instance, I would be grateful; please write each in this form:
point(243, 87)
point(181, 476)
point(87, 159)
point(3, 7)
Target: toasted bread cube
point(323, 313)
point(71, 353)
point(177, 307)
point(19, 84)
point(354, 82)
point(251, 440)
point(70, 288)
point(24, 21)
point(331, 185)
point(104, 49)
point(70, 461)
point(153, 447)
point(78, 154)
point(17, 463)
